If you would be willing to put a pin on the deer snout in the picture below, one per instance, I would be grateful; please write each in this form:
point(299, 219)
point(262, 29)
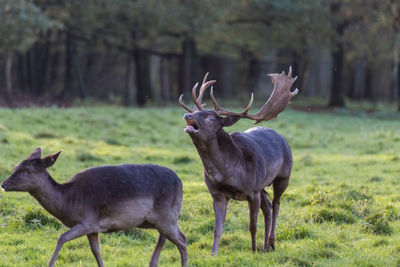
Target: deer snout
point(3, 185)
point(187, 116)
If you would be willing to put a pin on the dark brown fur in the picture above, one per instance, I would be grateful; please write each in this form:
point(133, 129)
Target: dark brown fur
point(105, 199)
point(239, 166)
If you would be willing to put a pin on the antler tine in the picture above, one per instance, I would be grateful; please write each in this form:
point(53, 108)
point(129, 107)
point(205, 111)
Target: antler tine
point(195, 98)
point(279, 99)
point(183, 105)
point(215, 104)
point(204, 86)
point(222, 111)
point(203, 89)
point(249, 105)
point(205, 78)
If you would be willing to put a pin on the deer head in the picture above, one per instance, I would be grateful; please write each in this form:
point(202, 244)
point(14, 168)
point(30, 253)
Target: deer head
point(31, 173)
point(204, 124)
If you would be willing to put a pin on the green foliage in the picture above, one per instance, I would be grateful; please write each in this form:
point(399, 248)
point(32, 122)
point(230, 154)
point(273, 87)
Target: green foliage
point(341, 207)
point(37, 218)
point(293, 231)
point(21, 23)
point(87, 156)
point(378, 223)
point(337, 216)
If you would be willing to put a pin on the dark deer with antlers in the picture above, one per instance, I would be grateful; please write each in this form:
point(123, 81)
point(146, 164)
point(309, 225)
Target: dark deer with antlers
point(240, 165)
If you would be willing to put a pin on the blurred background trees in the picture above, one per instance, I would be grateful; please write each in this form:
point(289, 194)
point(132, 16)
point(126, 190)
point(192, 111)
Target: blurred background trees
point(140, 51)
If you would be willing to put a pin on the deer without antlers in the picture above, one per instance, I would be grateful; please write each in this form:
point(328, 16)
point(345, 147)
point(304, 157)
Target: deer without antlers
point(240, 165)
point(105, 199)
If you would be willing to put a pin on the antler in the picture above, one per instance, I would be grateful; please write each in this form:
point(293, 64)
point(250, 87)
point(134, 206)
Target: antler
point(277, 102)
point(197, 100)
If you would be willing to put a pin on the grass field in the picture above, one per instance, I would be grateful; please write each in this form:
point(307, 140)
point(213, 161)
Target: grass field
point(342, 207)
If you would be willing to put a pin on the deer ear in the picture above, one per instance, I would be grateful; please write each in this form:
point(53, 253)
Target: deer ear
point(50, 159)
point(37, 153)
point(230, 120)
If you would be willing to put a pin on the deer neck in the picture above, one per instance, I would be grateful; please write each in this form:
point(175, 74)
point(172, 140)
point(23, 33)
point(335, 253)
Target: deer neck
point(219, 156)
point(50, 196)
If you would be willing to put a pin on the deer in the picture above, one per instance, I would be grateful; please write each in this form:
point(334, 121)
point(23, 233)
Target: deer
point(105, 199)
point(241, 165)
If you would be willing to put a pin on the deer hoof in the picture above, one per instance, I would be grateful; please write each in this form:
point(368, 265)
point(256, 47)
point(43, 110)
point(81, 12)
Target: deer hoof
point(270, 246)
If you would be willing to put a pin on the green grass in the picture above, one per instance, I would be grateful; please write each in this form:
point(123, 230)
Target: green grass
point(341, 208)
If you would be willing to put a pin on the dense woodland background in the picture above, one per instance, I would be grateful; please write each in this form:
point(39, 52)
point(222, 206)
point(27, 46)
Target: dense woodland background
point(148, 51)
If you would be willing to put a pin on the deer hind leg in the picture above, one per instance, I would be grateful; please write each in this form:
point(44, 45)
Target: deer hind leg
point(173, 234)
point(157, 251)
point(94, 246)
point(254, 207)
point(266, 208)
point(279, 186)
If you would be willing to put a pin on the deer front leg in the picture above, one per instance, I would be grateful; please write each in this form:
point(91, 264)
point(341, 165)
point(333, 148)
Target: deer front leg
point(254, 207)
point(219, 205)
point(75, 232)
point(94, 246)
point(266, 208)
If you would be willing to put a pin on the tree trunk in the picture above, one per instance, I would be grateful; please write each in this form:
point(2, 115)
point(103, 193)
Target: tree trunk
point(396, 69)
point(9, 63)
point(155, 61)
point(31, 71)
point(78, 73)
point(253, 73)
point(398, 86)
point(368, 87)
point(188, 66)
point(54, 67)
point(227, 77)
point(358, 81)
point(166, 78)
point(55, 59)
point(224, 70)
point(301, 64)
point(68, 76)
point(143, 83)
point(303, 78)
point(128, 82)
point(337, 97)
point(40, 53)
point(22, 72)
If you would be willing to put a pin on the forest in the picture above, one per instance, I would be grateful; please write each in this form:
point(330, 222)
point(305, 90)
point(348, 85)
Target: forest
point(138, 52)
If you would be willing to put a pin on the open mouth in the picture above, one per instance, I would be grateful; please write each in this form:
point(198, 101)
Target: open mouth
point(3, 187)
point(191, 127)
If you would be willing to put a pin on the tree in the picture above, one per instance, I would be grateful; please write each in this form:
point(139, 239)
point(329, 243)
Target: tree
point(21, 23)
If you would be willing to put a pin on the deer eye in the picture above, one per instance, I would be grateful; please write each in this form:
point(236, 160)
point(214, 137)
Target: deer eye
point(210, 118)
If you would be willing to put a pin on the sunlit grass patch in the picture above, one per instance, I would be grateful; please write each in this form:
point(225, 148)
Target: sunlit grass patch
point(341, 208)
